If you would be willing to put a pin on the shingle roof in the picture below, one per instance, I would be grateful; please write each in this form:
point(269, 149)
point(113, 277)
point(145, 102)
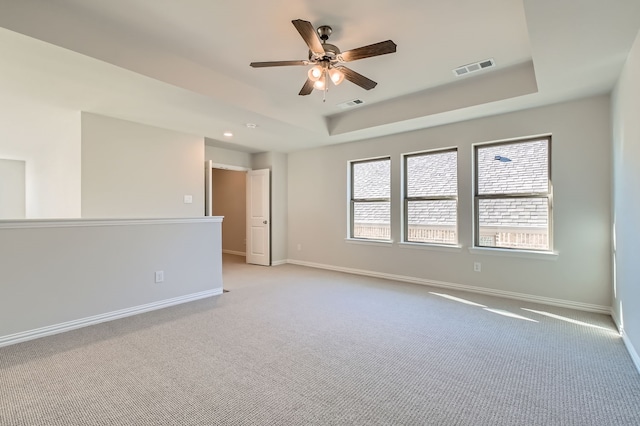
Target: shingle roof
point(431, 175)
point(525, 173)
point(372, 179)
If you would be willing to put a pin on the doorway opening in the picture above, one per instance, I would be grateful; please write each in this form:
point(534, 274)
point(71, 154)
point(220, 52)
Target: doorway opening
point(243, 197)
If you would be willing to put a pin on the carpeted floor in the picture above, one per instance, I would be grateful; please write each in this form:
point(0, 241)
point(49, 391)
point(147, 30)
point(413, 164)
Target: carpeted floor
point(290, 345)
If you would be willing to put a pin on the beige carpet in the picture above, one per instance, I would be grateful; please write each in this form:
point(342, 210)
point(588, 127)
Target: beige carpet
point(290, 345)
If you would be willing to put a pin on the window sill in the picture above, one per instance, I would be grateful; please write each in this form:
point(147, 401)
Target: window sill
point(455, 248)
point(379, 243)
point(527, 254)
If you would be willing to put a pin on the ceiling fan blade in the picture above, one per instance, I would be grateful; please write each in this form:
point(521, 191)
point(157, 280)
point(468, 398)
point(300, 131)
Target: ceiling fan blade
point(307, 88)
point(357, 78)
point(277, 63)
point(309, 35)
point(376, 49)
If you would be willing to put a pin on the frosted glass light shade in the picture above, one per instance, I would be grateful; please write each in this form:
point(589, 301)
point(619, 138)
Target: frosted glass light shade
point(336, 76)
point(315, 73)
point(320, 84)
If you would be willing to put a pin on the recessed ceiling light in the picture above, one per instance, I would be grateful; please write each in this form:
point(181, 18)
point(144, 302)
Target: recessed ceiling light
point(251, 125)
point(228, 134)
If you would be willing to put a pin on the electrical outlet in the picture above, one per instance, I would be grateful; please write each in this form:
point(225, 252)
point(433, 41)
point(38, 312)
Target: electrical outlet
point(188, 199)
point(299, 247)
point(477, 266)
point(159, 276)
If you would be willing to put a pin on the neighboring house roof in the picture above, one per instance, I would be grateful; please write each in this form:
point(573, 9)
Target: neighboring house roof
point(372, 179)
point(435, 175)
point(432, 175)
point(525, 173)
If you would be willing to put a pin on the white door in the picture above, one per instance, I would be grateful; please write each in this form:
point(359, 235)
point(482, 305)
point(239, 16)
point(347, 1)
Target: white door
point(258, 218)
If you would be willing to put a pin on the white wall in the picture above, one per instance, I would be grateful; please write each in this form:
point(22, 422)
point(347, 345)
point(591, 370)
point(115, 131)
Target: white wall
point(65, 274)
point(47, 139)
point(626, 199)
point(277, 163)
point(12, 189)
point(134, 170)
point(581, 171)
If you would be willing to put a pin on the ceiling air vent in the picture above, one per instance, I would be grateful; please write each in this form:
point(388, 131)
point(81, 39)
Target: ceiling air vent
point(351, 104)
point(476, 66)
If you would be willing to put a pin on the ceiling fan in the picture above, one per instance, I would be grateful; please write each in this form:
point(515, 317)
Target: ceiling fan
point(327, 59)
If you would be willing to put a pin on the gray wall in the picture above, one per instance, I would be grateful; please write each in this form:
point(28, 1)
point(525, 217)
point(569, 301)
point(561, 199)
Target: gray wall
point(134, 170)
point(581, 174)
point(227, 157)
point(626, 200)
point(59, 272)
point(230, 201)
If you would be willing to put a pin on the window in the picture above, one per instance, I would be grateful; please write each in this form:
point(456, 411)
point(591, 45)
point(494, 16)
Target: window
point(513, 195)
point(370, 199)
point(431, 197)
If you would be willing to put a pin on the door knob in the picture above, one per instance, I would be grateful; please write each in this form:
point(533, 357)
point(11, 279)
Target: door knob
point(264, 221)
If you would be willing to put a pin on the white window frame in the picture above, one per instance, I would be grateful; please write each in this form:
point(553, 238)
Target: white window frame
point(548, 194)
point(406, 199)
point(353, 201)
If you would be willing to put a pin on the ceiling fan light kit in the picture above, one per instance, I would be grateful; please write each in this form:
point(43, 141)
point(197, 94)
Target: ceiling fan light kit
point(327, 59)
point(320, 75)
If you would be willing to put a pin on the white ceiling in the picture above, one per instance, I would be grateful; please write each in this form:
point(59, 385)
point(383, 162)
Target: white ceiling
point(184, 65)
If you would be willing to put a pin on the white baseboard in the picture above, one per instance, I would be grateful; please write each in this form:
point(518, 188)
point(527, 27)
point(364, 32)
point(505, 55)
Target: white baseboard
point(279, 262)
point(472, 289)
point(627, 342)
point(632, 351)
point(23, 336)
point(235, 253)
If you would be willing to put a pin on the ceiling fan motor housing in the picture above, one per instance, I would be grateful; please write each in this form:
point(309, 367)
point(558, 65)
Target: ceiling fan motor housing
point(331, 53)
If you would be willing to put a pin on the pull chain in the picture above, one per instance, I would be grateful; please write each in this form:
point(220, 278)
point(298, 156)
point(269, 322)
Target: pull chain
point(326, 85)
